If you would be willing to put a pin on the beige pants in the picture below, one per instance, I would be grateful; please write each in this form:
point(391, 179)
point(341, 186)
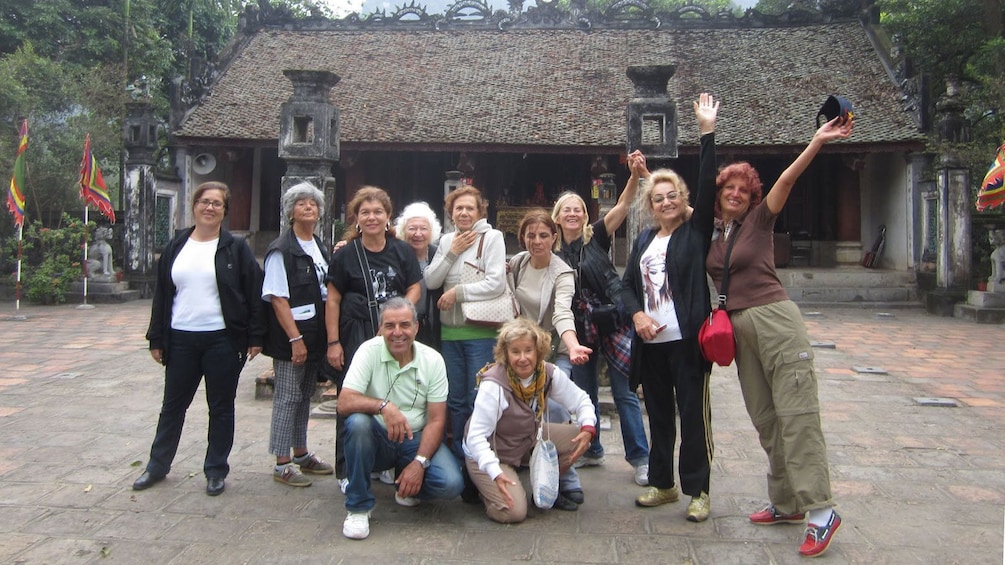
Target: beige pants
point(774, 361)
point(561, 435)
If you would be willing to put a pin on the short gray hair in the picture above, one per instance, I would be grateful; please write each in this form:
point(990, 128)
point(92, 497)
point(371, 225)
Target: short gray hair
point(298, 192)
point(419, 210)
point(398, 303)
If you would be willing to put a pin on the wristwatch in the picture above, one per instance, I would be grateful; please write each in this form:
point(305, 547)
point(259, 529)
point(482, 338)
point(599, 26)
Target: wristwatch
point(422, 461)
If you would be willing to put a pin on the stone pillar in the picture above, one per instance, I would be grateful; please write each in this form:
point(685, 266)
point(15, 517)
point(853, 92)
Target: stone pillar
point(309, 138)
point(652, 124)
point(953, 264)
point(139, 190)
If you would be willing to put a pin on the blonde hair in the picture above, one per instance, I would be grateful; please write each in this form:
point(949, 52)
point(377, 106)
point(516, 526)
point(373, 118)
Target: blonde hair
point(664, 175)
point(521, 328)
point(587, 226)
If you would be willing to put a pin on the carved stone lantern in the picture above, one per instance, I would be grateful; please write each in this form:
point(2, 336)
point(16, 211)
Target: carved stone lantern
point(309, 138)
point(652, 116)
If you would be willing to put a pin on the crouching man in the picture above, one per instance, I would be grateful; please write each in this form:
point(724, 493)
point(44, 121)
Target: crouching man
point(394, 399)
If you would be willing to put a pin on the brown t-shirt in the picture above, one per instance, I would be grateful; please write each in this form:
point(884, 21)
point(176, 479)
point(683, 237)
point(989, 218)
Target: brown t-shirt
point(752, 277)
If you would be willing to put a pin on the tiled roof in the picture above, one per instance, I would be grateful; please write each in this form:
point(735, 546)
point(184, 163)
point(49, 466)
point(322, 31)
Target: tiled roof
point(555, 88)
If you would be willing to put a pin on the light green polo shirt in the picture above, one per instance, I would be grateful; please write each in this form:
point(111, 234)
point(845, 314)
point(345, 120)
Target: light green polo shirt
point(375, 373)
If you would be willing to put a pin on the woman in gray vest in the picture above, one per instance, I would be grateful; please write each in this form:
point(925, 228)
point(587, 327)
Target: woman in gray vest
point(513, 395)
point(295, 269)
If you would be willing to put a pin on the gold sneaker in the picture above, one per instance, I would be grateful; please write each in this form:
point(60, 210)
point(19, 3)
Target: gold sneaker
point(655, 496)
point(699, 508)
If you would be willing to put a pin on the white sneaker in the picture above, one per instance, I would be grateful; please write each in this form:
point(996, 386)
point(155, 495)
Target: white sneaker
point(408, 501)
point(642, 475)
point(343, 485)
point(386, 476)
point(356, 525)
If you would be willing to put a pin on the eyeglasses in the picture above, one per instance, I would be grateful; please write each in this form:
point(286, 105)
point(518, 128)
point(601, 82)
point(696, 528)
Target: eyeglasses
point(660, 198)
point(207, 203)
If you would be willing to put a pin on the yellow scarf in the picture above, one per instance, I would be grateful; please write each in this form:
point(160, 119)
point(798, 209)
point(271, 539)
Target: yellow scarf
point(534, 390)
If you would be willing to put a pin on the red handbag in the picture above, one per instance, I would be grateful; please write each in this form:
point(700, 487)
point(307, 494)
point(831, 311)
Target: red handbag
point(715, 338)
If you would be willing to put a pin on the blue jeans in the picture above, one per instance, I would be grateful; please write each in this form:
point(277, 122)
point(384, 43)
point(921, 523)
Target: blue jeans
point(367, 449)
point(463, 360)
point(633, 432)
point(194, 354)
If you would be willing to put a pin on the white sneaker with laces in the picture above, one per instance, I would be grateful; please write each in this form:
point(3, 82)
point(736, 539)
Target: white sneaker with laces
point(408, 501)
point(642, 475)
point(356, 525)
point(343, 485)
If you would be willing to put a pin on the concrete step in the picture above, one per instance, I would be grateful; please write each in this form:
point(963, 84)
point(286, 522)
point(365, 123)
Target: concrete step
point(851, 286)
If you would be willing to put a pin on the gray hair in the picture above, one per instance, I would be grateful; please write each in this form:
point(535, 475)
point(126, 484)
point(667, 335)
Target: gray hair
point(419, 210)
point(298, 192)
point(398, 303)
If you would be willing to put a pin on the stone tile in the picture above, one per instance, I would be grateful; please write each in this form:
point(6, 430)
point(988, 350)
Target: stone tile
point(13, 544)
point(69, 522)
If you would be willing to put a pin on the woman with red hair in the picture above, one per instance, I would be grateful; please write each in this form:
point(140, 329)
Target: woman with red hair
point(774, 360)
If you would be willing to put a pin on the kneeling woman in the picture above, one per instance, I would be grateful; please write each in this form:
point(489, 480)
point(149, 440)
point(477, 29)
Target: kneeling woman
point(510, 405)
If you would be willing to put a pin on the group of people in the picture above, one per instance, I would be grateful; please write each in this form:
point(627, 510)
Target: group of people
point(441, 406)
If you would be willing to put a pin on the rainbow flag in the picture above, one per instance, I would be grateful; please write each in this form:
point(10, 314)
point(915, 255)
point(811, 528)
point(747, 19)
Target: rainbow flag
point(15, 198)
point(992, 192)
point(92, 183)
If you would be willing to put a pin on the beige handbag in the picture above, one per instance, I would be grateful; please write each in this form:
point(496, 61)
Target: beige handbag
point(492, 312)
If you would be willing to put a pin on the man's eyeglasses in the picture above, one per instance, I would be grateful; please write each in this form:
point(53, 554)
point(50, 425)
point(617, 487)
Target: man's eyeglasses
point(207, 203)
point(657, 199)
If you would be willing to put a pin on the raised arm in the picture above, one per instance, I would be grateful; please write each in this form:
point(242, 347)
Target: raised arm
point(838, 128)
point(616, 216)
point(706, 111)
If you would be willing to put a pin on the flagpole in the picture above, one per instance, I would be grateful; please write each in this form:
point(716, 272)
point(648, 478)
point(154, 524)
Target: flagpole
point(84, 270)
point(20, 253)
point(85, 305)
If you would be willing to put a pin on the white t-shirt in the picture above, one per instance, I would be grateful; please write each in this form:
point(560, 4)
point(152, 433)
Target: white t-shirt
point(196, 306)
point(276, 282)
point(657, 296)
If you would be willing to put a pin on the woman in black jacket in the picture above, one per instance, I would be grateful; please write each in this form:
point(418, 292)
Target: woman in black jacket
point(206, 320)
point(668, 303)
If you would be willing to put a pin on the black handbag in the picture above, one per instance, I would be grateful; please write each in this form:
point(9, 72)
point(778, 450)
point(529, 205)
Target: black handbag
point(605, 317)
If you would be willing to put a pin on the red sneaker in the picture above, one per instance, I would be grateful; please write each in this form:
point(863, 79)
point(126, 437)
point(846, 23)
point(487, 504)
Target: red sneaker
point(769, 516)
point(818, 538)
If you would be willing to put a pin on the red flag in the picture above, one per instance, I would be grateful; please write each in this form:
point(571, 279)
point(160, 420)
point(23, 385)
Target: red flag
point(92, 183)
point(15, 198)
point(992, 192)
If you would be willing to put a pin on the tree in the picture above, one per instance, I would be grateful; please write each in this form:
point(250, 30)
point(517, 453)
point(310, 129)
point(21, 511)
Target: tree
point(960, 39)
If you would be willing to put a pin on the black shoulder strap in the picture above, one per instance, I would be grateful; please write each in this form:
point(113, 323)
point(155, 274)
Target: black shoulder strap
point(725, 268)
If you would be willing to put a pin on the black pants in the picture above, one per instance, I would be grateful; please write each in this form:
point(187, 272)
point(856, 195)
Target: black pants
point(675, 380)
point(194, 354)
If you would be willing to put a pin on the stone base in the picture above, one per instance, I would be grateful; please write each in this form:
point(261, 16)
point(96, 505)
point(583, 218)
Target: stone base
point(982, 299)
point(979, 314)
point(941, 302)
point(848, 252)
point(104, 292)
point(265, 387)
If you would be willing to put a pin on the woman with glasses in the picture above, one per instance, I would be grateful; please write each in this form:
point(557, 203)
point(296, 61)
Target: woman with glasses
point(206, 321)
point(668, 303)
point(418, 227)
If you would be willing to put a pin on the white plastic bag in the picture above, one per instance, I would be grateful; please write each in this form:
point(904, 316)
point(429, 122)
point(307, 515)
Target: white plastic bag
point(544, 472)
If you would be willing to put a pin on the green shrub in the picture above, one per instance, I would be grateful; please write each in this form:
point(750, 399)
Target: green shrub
point(51, 259)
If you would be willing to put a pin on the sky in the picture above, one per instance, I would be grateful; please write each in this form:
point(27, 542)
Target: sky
point(342, 8)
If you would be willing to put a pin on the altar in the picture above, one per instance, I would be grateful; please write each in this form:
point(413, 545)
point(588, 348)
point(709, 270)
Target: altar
point(508, 218)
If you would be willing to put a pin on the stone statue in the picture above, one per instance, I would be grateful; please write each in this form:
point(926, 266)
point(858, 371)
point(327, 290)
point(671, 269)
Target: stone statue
point(99, 257)
point(996, 282)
